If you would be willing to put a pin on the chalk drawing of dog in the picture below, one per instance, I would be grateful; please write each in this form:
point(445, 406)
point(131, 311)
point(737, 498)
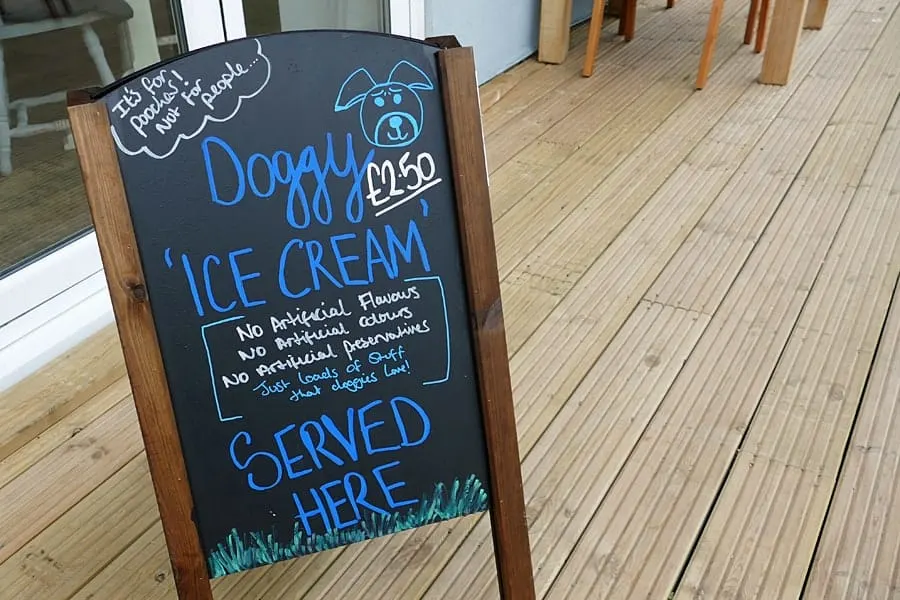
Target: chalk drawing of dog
point(390, 113)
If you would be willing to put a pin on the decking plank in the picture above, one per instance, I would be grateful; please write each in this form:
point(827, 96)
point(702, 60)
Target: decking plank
point(64, 430)
point(56, 390)
point(642, 534)
point(57, 562)
point(541, 81)
point(500, 86)
point(542, 267)
point(522, 229)
point(726, 236)
point(146, 563)
point(859, 550)
point(565, 141)
point(65, 476)
point(588, 441)
point(762, 532)
point(648, 353)
point(714, 162)
point(601, 297)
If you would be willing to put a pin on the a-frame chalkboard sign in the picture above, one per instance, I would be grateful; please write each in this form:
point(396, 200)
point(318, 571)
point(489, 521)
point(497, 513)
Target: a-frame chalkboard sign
point(296, 233)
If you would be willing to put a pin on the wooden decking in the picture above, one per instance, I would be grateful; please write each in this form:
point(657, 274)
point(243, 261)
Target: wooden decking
point(705, 347)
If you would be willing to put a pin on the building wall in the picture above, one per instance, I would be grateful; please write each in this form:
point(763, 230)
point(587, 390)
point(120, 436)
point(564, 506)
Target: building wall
point(503, 32)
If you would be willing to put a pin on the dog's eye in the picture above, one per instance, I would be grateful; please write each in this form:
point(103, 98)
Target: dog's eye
point(397, 99)
point(379, 101)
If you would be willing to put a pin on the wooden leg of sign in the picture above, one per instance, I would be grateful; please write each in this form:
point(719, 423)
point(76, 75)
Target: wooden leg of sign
point(106, 197)
point(508, 523)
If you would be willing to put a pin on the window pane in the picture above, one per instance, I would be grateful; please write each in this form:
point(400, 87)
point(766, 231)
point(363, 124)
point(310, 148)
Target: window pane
point(46, 48)
point(271, 16)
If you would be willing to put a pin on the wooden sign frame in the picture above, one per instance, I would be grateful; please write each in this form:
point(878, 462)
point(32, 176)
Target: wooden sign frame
point(143, 359)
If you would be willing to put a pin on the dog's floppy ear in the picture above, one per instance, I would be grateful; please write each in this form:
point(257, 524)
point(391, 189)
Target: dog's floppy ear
point(410, 75)
point(354, 90)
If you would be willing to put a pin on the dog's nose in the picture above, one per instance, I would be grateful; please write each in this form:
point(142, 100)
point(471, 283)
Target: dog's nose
point(395, 122)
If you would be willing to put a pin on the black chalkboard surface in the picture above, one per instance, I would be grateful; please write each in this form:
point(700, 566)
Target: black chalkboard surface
point(294, 213)
point(309, 307)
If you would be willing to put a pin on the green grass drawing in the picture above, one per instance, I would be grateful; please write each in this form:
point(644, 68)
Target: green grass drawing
point(240, 553)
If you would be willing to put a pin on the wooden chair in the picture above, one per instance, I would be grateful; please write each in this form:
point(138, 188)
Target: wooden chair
point(627, 23)
point(626, 28)
point(758, 19)
point(709, 44)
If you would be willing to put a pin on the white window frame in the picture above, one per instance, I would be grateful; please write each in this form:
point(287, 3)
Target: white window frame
point(407, 18)
point(58, 301)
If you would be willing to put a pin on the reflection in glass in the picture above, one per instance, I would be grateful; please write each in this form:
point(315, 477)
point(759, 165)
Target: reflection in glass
point(46, 48)
point(271, 16)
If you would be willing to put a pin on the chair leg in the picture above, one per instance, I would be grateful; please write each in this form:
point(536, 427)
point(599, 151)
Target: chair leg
point(126, 47)
point(630, 19)
point(95, 49)
point(709, 45)
point(670, 3)
point(751, 21)
point(815, 14)
point(5, 133)
point(762, 28)
point(593, 40)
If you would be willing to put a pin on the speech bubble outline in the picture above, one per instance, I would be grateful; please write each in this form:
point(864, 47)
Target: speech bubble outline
point(206, 118)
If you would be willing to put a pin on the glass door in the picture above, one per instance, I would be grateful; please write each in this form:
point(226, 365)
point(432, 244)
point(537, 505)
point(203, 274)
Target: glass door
point(254, 17)
point(49, 261)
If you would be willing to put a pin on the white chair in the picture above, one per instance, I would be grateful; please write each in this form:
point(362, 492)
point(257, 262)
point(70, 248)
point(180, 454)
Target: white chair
point(19, 107)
